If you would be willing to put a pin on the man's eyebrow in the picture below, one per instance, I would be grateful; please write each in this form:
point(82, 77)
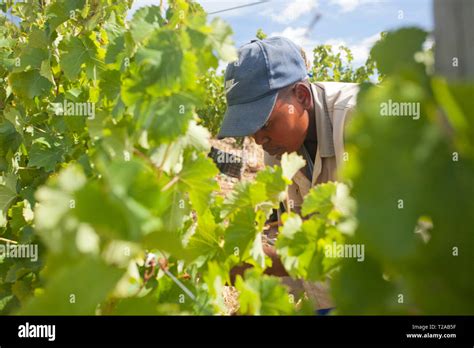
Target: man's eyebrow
point(267, 123)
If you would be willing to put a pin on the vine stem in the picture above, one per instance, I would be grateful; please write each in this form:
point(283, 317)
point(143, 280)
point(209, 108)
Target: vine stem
point(171, 183)
point(8, 240)
point(149, 274)
point(158, 169)
point(178, 282)
point(163, 267)
point(165, 155)
point(147, 159)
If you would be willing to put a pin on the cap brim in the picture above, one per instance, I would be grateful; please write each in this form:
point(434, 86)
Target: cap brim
point(246, 119)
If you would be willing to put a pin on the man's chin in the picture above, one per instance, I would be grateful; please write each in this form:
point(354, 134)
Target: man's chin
point(278, 153)
point(288, 151)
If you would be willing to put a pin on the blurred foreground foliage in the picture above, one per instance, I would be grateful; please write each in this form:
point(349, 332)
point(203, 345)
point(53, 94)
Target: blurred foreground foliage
point(118, 192)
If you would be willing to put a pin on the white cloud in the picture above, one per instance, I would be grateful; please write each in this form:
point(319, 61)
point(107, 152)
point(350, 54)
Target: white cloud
point(292, 11)
point(359, 48)
point(297, 35)
point(351, 5)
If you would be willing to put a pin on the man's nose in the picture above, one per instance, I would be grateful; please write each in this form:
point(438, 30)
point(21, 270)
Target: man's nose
point(260, 138)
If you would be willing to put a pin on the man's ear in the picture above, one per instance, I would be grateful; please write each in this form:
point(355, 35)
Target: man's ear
point(302, 94)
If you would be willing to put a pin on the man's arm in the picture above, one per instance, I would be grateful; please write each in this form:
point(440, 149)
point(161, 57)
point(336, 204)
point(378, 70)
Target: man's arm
point(277, 269)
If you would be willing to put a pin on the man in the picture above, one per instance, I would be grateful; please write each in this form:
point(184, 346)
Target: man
point(270, 98)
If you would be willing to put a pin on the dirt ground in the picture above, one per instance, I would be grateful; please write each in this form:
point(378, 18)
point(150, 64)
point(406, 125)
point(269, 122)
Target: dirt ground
point(253, 160)
point(253, 163)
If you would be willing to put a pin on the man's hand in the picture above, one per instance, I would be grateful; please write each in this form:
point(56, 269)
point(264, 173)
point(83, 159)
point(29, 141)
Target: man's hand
point(277, 269)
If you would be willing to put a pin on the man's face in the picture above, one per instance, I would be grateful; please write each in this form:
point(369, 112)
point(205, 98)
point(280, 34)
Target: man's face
point(288, 123)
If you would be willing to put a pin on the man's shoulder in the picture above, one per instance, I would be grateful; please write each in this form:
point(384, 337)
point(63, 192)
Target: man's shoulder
point(339, 94)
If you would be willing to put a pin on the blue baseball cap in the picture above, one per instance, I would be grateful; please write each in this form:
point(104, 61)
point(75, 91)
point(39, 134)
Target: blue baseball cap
point(253, 81)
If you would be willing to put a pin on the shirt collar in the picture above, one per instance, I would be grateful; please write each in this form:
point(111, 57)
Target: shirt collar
point(323, 123)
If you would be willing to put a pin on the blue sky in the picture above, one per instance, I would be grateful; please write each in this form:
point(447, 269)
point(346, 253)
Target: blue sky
point(355, 23)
